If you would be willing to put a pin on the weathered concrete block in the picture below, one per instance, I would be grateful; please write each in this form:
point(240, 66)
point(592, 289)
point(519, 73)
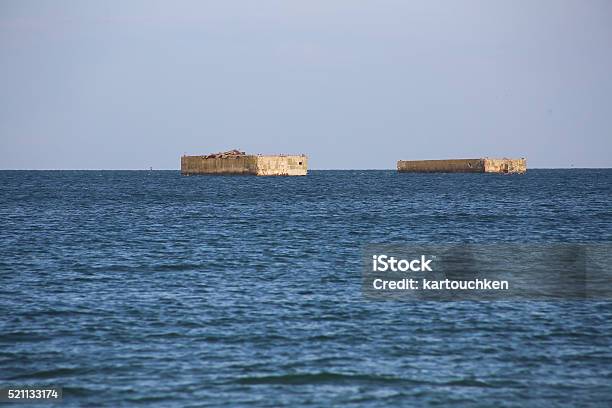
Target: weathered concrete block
point(484, 165)
point(240, 163)
point(505, 165)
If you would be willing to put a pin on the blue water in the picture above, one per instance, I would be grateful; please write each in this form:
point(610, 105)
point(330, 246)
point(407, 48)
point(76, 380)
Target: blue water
point(152, 289)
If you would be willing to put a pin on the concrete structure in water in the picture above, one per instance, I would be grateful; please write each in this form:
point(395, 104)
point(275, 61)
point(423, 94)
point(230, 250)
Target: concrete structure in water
point(237, 162)
point(484, 165)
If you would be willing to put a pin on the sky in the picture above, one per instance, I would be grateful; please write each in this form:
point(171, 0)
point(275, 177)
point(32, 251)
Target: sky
point(353, 84)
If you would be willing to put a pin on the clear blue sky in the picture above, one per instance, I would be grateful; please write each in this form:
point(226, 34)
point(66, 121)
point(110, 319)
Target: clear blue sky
point(353, 84)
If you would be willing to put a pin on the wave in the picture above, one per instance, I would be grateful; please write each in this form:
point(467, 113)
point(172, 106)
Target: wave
point(338, 378)
point(46, 374)
point(321, 378)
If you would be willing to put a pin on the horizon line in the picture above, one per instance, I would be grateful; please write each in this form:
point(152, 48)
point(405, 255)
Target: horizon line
point(319, 169)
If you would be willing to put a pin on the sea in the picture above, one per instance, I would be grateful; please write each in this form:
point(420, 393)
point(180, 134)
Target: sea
point(148, 288)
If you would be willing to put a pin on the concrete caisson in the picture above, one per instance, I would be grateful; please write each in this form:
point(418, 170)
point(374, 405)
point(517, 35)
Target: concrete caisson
point(483, 165)
point(239, 163)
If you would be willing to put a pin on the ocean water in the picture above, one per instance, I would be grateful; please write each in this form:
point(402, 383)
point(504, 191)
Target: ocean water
point(136, 288)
